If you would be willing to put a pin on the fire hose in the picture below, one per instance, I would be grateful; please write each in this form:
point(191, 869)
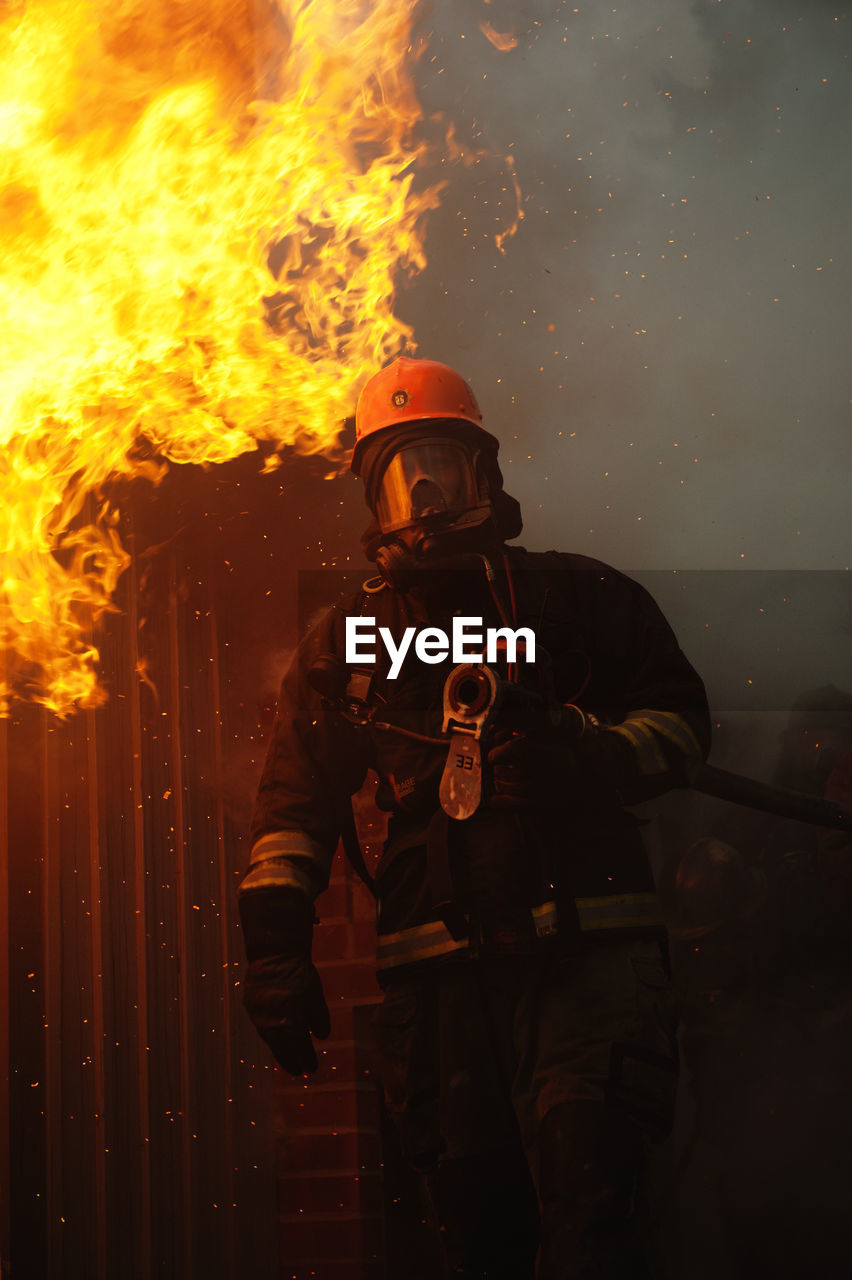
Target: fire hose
point(737, 789)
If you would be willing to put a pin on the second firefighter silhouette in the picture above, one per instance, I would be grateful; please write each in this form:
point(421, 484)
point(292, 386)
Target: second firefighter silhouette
point(526, 1048)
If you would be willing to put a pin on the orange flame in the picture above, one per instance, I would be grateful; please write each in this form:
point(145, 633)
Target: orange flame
point(204, 205)
point(502, 40)
point(512, 227)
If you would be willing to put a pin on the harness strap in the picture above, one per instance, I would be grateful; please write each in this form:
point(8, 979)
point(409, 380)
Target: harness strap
point(440, 875)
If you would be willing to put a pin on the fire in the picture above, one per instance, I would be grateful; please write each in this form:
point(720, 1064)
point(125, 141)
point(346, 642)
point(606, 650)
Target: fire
point(505, 41)
point(204, 208)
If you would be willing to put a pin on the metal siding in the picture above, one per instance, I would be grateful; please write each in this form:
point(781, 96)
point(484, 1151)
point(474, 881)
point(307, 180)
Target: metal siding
point(135, 1138)
point(26, 992)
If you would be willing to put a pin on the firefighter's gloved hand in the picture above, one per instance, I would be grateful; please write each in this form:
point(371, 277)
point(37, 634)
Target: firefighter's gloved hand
point(282, 991)
point(554, 771)
point(530, 771)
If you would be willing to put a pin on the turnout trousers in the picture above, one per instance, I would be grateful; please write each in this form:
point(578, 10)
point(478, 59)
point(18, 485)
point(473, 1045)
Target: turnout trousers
point(534, 1095)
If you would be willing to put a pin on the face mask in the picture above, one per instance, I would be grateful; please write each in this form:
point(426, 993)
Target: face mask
point(428, 479)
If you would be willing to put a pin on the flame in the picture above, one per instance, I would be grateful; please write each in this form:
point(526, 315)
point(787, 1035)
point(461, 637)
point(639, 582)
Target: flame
point(204, 208)
point(502, 40)
point(512, 227)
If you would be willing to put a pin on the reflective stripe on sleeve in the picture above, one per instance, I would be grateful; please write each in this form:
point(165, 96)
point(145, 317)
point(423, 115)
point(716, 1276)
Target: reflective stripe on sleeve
point(643, 730)
point(648, 754)
point(275, 873)
point(282, 844)
point(619, 911)
point(673, 727)
point(287, 859)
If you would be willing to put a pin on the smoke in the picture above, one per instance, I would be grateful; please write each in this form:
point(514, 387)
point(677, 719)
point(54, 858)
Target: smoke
point(661, 346)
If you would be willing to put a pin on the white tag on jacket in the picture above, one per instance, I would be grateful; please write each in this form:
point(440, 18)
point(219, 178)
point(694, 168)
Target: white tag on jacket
point(461, 783)
point(472, 694)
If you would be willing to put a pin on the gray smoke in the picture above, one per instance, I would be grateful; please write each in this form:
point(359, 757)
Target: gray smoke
point(663, 347)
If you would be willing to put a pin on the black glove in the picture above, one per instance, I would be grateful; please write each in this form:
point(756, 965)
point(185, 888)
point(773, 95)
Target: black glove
point(282, 991)
point(550, 770)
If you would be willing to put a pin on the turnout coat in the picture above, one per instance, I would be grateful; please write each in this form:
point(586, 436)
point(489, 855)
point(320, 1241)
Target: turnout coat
point(513, 881)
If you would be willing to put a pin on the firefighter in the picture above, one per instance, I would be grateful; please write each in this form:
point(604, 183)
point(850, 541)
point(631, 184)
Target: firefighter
point(525, 1041)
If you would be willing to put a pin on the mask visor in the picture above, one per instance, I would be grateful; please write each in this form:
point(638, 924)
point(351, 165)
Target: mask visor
point(432, 478)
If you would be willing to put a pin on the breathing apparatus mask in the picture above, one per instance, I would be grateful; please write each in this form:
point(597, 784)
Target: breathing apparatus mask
point(431, 504)
point(437, 499)
point(431, 480)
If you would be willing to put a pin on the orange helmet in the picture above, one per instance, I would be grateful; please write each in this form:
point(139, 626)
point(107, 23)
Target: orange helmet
point(410, 391)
